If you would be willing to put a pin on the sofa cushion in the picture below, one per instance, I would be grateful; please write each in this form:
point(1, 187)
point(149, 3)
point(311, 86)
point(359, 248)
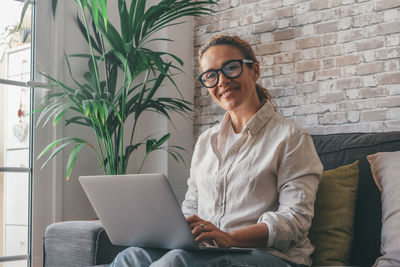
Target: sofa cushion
point(386, 171)
point(332, 227)
point(336, 150)
point(71, 243)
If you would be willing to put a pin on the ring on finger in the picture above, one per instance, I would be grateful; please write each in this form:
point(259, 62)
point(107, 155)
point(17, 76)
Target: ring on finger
point(203, 227)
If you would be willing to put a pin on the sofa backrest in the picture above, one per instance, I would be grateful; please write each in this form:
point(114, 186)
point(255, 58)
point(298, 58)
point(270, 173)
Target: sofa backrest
point(336, 150)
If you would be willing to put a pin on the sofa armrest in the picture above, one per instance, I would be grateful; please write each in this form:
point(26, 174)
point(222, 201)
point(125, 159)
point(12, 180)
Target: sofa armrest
point(77, 243)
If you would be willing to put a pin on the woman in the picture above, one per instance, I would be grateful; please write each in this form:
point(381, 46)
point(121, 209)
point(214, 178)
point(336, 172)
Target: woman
point(253, 178)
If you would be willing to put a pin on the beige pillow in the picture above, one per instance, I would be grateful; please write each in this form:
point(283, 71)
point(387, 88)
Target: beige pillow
point(385, 168)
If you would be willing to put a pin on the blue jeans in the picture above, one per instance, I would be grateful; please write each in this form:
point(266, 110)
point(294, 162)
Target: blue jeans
point(140, 257)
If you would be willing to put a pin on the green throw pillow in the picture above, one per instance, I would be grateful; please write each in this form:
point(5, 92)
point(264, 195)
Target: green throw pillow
point(332, 227)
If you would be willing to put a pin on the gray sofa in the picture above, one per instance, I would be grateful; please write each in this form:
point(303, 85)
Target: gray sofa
point(85, 243)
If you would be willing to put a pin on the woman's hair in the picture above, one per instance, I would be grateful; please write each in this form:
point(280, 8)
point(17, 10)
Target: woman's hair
point(248, 53)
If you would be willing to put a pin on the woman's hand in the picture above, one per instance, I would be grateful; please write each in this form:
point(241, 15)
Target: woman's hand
point(252, 236)
point(205, 231)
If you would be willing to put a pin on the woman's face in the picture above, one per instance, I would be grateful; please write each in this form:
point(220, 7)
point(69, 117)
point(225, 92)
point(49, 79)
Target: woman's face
point(231, 94)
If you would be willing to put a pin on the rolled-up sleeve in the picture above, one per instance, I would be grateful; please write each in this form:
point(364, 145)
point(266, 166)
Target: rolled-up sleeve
point(189, 205)
point(298, 176)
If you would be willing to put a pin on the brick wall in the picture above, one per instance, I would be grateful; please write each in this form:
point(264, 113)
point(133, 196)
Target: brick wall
point(332, 65)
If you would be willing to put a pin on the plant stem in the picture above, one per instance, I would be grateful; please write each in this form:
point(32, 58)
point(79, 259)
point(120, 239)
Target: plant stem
point(111, 151)
point(98, 157)
point(91, 48)
point(141, 165)
point(105, 141)
point(117, 136)
point(144, 86)
point(101, 152)
point(126, 85)
point(133, 131)
point(105, 63)
point(121, 150)
point(98, 142)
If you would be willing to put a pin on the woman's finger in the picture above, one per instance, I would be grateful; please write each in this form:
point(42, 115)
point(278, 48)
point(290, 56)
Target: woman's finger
point(204, 225)
point(201, 227)
point(196, 231)
point(205, 236)
point(193, 219)
point(215, 243)
point(195, 224)
point(215, 237)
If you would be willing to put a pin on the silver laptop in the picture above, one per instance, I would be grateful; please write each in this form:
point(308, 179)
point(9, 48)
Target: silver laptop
point(141, 210)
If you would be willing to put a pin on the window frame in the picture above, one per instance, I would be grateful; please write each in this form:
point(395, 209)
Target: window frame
point(29, 170)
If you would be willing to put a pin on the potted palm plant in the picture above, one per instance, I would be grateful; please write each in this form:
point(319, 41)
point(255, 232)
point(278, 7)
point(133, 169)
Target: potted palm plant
point(121, 81)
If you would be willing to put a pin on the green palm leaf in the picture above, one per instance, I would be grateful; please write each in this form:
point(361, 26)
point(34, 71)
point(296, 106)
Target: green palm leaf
point(24, 8)
point(95, 12)
point(85, 34)
point(55, 152)
point(72, 159)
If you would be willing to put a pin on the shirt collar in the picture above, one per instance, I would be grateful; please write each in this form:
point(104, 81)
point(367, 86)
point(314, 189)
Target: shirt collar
point(255, 124)
point(260, 119)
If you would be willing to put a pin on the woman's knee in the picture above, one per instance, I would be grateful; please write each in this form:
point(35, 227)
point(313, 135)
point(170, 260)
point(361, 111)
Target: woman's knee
point(132, 256)
point(185, 258)
point(174, 258)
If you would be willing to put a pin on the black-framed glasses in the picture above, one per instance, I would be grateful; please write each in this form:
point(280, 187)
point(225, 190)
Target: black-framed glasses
point(231, 69)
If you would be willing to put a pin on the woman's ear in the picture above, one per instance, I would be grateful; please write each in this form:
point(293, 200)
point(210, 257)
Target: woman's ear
point(256, 71)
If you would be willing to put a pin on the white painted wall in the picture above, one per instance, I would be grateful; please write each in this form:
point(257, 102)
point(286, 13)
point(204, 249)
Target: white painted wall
point(46, 183)
point(178, 174)
point(58, 200)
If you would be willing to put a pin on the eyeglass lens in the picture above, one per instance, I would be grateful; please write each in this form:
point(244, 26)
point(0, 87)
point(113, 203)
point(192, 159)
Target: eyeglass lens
point(230, 70)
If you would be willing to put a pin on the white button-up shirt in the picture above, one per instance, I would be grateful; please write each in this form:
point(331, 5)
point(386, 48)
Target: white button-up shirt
point(269, 175)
